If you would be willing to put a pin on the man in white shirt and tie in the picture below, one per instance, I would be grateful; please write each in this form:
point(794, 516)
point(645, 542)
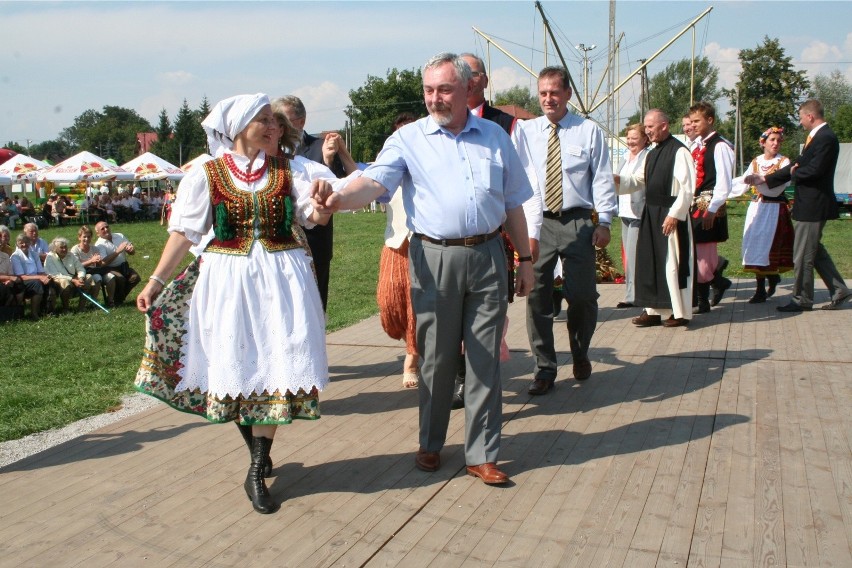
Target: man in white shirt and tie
point(574, 174)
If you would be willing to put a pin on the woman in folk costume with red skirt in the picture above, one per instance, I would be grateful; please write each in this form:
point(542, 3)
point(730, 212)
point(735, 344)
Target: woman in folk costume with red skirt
point(240, 334)
point(768, 231)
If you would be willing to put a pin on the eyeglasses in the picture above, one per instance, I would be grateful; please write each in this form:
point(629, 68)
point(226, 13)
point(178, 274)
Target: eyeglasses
point(477, 73)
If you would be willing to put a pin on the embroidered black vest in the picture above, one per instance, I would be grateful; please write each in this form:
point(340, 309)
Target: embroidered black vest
point(241, 217)
point(706, 163)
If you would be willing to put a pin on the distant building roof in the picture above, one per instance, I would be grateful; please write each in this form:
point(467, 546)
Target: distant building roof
point(516, 111)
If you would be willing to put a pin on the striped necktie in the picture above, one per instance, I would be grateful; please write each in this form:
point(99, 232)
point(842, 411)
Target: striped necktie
point(553, 181)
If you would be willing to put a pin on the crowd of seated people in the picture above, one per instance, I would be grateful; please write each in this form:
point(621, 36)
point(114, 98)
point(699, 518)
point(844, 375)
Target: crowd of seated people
point(41, 273)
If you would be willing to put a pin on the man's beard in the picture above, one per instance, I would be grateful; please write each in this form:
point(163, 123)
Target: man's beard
point(441, 114)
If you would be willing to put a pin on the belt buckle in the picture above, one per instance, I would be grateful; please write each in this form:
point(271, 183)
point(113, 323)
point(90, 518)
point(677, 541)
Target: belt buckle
point(470, 241)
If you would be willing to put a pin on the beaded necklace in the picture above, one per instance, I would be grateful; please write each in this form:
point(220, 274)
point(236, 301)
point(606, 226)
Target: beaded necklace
point(247, 177)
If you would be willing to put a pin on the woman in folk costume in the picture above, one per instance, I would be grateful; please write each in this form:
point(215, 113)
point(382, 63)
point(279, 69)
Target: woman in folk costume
point(240, 334)
point(393, 292)
point(768, 231)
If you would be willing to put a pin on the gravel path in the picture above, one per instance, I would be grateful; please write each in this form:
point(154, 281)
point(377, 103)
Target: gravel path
point(15, 450)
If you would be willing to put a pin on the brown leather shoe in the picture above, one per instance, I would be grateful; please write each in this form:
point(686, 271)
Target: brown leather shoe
point(676, 322)
point(646, 320)
point(427, 461)
point(582, 369)
point(540, 386)
point(488, 473)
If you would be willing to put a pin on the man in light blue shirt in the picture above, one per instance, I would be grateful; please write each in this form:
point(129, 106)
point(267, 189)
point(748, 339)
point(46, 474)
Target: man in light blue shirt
point(461, 179)
point(581, 181)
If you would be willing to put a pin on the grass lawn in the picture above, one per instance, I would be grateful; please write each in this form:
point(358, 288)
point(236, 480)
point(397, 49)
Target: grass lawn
point(62, 369)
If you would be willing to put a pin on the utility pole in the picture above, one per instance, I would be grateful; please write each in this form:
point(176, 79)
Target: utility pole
point(586, 49)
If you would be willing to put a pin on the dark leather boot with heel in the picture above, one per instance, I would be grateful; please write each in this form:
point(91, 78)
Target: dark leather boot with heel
point(254, 485)
point(246, 433)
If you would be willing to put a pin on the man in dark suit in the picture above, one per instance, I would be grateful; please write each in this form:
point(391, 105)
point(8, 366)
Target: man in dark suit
point(476, 96)
point(330, 151)
point(814, 203)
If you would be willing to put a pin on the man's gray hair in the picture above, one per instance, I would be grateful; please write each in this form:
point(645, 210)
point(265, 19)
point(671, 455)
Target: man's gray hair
point(5, 231)
point(463, 71)
point(293, 102)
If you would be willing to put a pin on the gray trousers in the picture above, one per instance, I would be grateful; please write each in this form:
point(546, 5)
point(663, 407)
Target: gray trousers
point(810, 254)
point(629, 238)
point(568, 238)
point(460, 294)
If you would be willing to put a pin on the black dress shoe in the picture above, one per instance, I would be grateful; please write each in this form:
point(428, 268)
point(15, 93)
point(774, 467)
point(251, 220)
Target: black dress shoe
point(458, 394)
point(622, 305)
point(836, 304)
point(793, 308)
point(774, 280)
point(719, 290)
point(540, 386)
point(582, 369)
point(676, 322)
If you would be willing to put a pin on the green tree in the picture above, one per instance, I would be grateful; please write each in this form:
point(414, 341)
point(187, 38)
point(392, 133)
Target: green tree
point(109, 134)
point(375, 106)
point(15, 147)
point(835, 94)
point(769, 93)
point(189, 137)
point(164, 146)
point(520, 97)
point(833, 91)
point(669, 90)
point(54, 151)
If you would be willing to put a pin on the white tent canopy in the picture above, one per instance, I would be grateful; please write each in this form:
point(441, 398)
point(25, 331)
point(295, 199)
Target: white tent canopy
point(149, 166)
point(84, 166)
point(22, 167)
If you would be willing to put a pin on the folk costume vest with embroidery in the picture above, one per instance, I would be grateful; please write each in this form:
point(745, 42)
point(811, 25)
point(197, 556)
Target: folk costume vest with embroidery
point(242, 217)
point(705, 181)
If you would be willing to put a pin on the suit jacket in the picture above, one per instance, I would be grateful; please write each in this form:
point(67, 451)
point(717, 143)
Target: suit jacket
point(311, 148)
point(504, 119)
point(813, 195)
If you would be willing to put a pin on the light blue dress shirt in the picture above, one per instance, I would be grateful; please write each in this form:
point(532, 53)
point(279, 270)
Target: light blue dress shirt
point(587, 172)
point(452, 186)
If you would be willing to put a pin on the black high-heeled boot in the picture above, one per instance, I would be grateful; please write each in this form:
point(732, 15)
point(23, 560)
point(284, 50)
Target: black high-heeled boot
point(760, 292)
point(246, 433)
point(774, 280)
point(254, 485)
point(703, 296)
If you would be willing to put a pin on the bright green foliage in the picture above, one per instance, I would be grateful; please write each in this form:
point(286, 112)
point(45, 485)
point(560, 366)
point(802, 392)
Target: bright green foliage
point(109, 134)
point(376, 105)
point(770, 92)
point(520, 97)
point(669, 90)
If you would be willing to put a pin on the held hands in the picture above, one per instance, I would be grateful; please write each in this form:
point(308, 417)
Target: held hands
point(321, 193)
point(754, 179)
point(332, 144)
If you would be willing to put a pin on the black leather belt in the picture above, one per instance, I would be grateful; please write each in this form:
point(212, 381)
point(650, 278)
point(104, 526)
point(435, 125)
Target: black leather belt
point(564, 212)
point(464, 242)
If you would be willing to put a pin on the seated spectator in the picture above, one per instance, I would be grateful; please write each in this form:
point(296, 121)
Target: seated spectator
point(5, 240)
point(115, 248)
point(106, 205)
point(11, 286)
point(59, 210)
point(47, 209)
point(38, 286)
point(38, 244)
point(68, 274)
point(9, 212)
point(91, 257)
point(26, 209)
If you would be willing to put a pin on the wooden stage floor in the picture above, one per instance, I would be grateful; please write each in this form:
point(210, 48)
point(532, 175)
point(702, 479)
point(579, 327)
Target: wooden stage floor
point(723, 444)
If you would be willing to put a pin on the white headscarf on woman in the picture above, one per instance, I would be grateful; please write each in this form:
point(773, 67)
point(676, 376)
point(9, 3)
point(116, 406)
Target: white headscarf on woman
point(230, 117)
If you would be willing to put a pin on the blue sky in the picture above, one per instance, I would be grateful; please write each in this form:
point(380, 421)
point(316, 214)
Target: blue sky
point(63, 58)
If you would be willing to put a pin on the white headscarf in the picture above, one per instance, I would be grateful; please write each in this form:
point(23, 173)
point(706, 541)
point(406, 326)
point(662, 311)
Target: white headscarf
point(230, 117)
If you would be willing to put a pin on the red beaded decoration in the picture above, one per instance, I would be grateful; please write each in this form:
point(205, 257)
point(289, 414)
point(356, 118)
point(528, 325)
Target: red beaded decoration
point(247, 177)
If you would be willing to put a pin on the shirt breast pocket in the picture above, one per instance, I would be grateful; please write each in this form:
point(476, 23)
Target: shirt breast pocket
point(492, 175)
